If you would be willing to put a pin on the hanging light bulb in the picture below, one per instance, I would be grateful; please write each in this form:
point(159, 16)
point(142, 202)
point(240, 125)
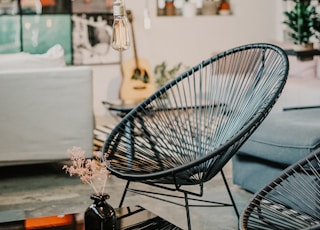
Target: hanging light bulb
point(120, 33)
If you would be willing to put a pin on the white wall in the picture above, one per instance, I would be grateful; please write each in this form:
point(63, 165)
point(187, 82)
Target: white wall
point(190, 40)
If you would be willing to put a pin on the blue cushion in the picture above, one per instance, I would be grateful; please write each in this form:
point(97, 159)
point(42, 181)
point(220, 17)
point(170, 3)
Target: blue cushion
point(246, 172)
point(285, 137)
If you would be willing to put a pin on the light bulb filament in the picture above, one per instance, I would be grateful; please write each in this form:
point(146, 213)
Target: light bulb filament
point(120, 35)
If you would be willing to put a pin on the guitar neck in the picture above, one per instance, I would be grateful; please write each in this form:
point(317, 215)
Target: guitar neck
point(130, 17)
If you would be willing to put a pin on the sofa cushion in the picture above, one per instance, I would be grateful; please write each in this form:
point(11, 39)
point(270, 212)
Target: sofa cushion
point(54, 57)
point(285, 137)
point(247, 172)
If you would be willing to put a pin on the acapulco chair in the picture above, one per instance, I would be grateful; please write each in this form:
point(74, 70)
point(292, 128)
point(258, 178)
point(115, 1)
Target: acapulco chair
point(290, 201)
point(185, 133)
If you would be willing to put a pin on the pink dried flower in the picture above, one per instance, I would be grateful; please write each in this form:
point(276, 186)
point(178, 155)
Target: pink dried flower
point(91, 171)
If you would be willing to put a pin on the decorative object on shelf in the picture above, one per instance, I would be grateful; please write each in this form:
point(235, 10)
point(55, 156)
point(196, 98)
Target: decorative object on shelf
point(178, 5)
point(169, 8)
point(210, 7)
point(303, 22)
point(120, 35)
point(224, 8)
point(100, 215)
point(160, 7)
point(189, 9)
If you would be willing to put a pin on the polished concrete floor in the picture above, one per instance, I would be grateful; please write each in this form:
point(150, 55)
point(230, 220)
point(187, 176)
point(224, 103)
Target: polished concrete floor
point(45, 189)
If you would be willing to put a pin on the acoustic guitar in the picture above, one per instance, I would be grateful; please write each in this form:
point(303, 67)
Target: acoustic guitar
point(137, 82)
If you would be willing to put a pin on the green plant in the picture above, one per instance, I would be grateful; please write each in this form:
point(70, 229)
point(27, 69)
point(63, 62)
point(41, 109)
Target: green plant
point(303, 21)
point(163, 75)
point(316, 27)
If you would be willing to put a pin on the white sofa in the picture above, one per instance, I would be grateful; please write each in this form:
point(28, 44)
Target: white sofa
point(44, 112)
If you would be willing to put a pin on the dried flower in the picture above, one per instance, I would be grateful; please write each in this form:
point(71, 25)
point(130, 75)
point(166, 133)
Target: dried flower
point(91, 171)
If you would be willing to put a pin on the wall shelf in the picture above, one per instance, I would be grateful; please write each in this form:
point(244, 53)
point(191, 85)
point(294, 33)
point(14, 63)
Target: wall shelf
point(305, 55)
point(178, 8)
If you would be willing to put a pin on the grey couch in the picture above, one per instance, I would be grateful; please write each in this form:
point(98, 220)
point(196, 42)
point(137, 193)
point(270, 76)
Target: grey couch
point(44, 112)
point(286, 135)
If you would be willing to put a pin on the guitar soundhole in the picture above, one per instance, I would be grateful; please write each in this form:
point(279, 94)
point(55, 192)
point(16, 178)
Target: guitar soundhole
point(140, 75)
point(137, 72)
point(139, 87)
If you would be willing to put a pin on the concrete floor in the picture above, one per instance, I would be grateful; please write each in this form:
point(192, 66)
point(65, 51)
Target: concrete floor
point(45, 189)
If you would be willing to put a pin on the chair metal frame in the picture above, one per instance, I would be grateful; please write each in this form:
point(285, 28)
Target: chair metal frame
point(185, 132)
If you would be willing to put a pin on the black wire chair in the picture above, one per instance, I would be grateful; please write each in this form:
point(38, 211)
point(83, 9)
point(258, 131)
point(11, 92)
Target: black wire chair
point(290, 201)
point(185, 132)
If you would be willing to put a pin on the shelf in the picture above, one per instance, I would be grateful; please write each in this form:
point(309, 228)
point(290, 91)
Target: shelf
point(303, 55)
point(195, 8)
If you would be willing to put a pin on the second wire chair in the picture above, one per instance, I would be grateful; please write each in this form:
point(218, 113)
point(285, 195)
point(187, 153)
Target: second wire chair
point(290, 201)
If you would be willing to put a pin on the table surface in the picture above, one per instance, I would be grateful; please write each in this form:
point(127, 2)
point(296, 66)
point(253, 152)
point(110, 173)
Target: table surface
point(133, 218)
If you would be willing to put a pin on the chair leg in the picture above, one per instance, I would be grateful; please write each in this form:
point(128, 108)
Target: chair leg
point(124, 194)
point(187, 210)
point(230, 194)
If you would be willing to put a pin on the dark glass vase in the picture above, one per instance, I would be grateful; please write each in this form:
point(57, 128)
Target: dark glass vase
point(100, 215)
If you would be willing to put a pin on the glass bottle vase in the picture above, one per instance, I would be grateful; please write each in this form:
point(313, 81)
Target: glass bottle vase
point(100, 215)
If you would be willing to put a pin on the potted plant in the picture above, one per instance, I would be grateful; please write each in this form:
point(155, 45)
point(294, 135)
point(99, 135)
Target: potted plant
point(302, 20)
point(164, 75)
point(316, 27)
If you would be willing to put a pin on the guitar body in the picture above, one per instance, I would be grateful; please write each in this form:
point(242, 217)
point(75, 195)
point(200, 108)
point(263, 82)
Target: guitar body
point(137, 82)
point(135, 86)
